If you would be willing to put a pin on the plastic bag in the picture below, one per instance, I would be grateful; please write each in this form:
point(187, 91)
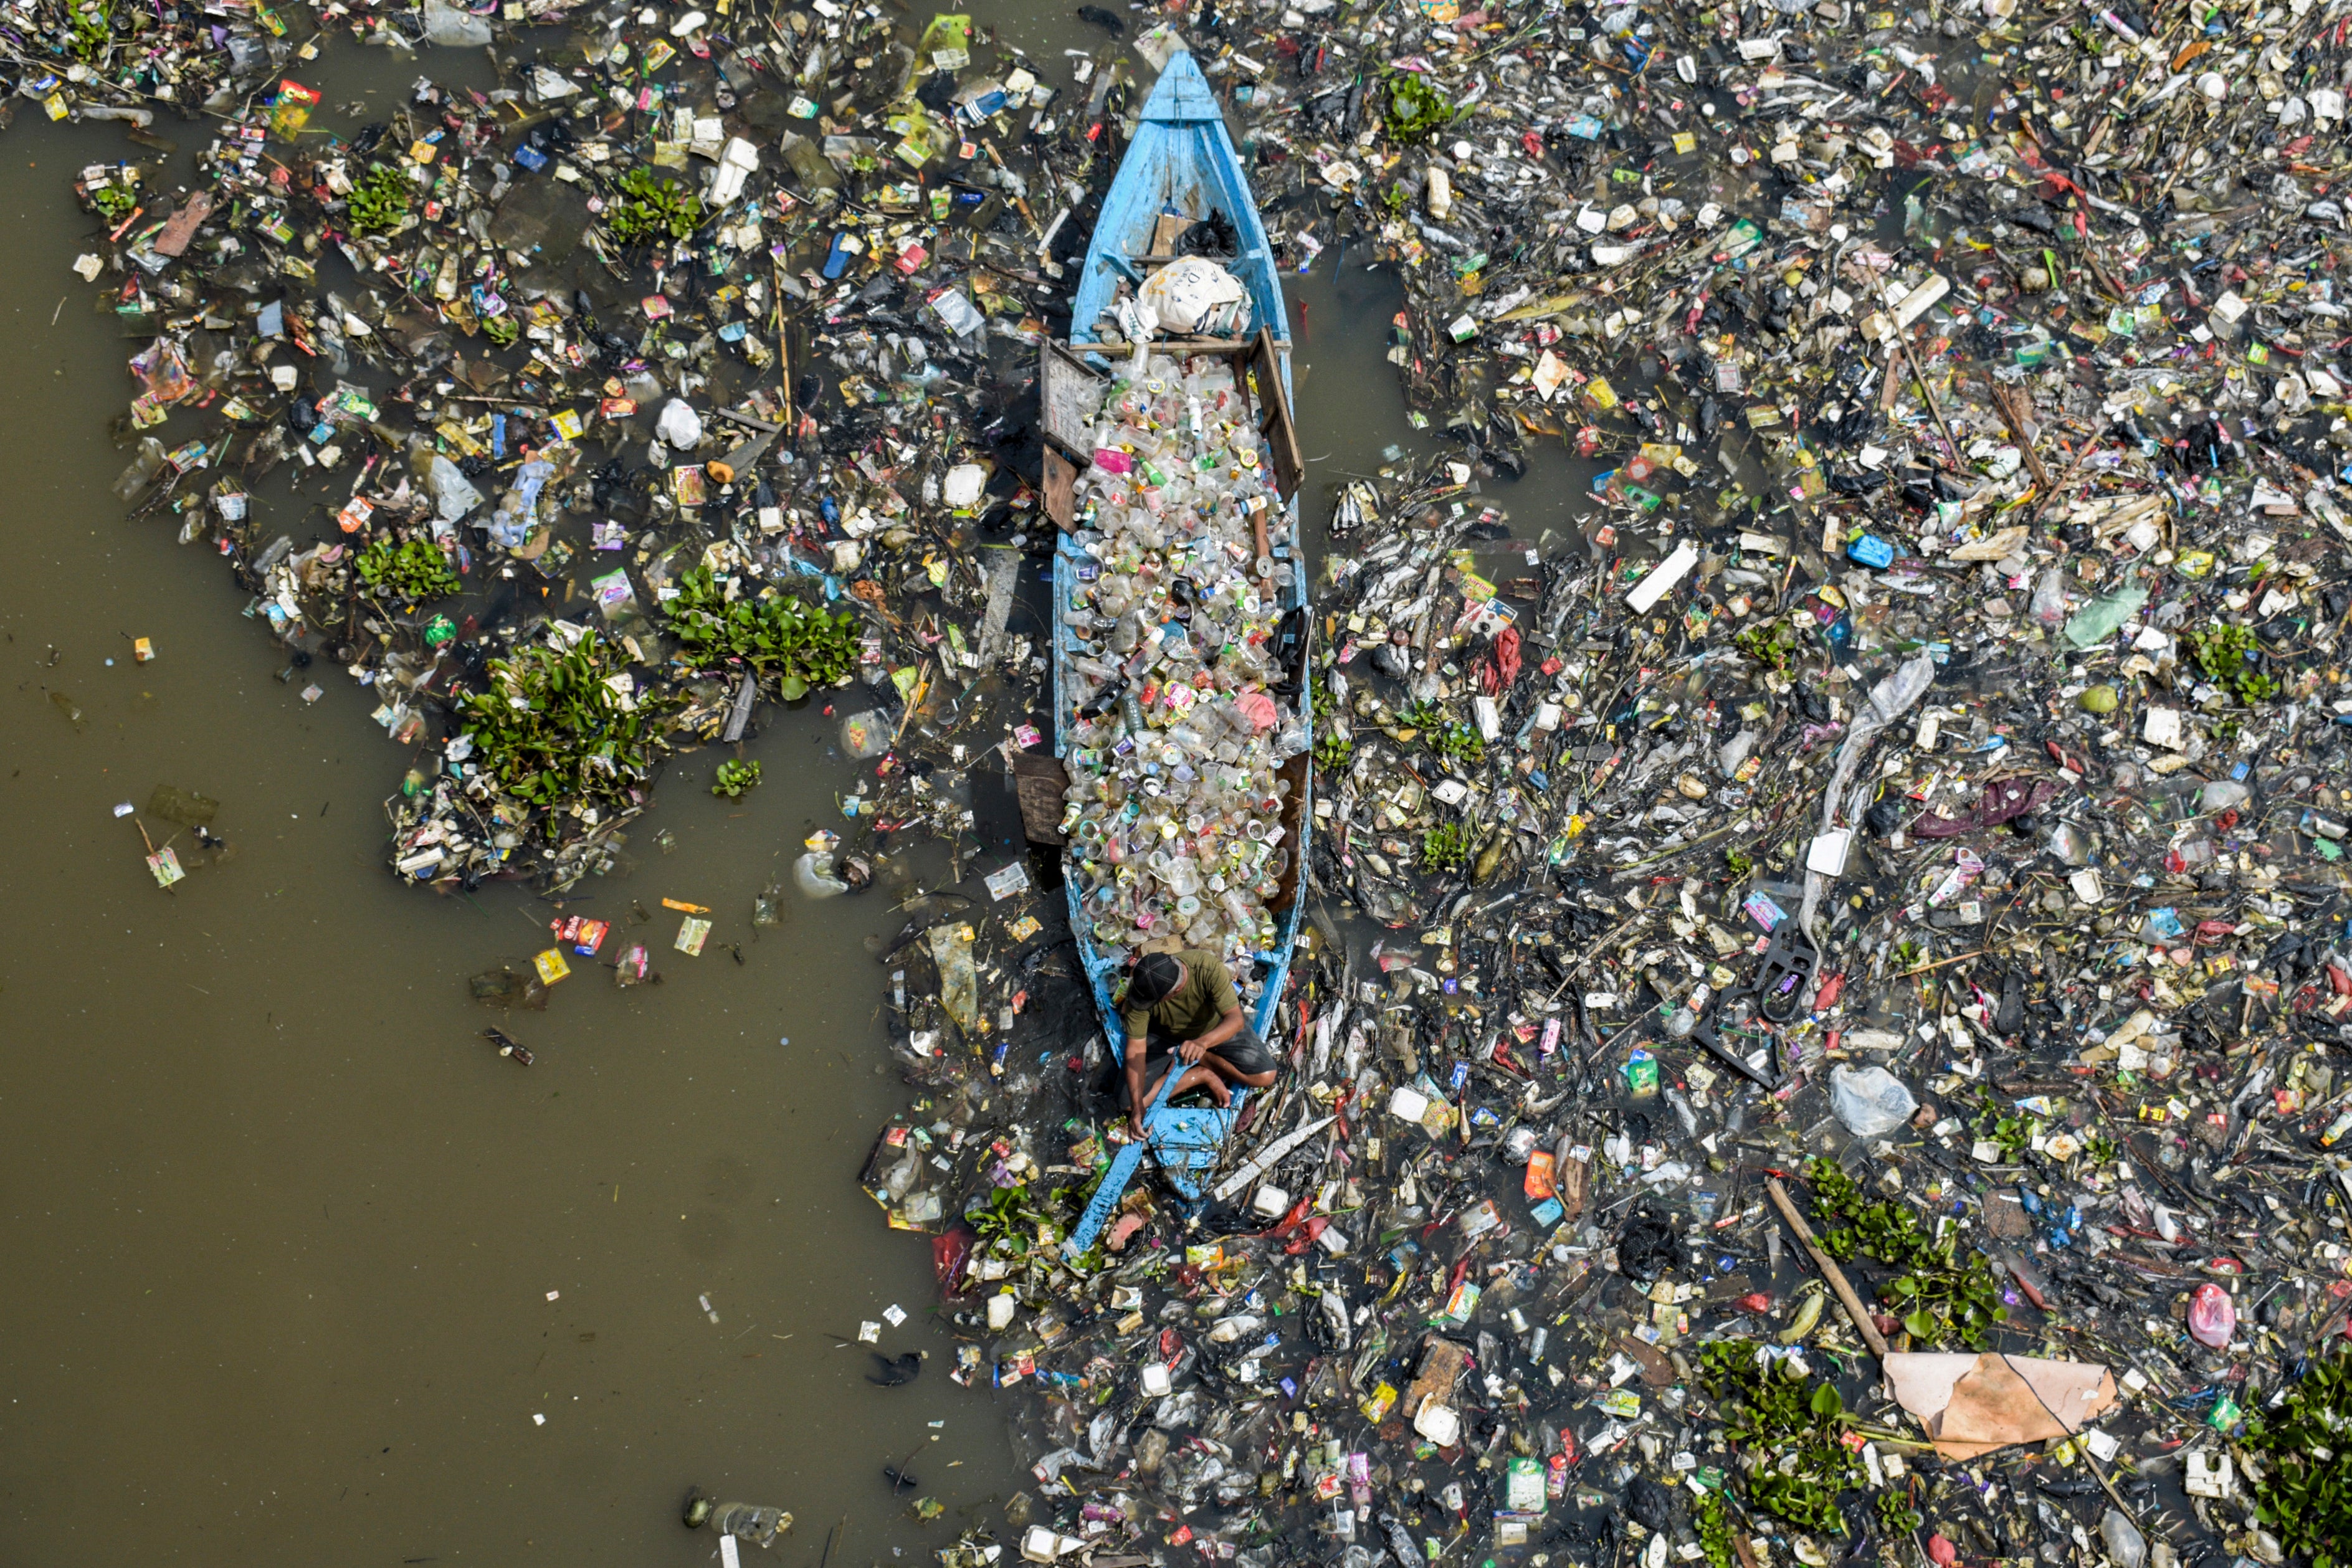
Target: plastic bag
point(1870, 1101)
point(141, 471)
point(1181, 295)
point(2126, 1545)
point(454, 494)
point(184, 806)
point(2096, 622)
point(958, 981)
point(963, 484)
point(518, 512)
point(1889, 700)
point(679, 426)
point(507, 988)
point(2212, 1316)
point(454, 29)
point(866, 736)
point(814, 872)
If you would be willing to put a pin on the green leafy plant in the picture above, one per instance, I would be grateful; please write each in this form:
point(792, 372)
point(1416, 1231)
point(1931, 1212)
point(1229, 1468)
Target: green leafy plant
point(787, 641)
point(1941, 1293)
point(378, 202)
point(501, 330)
point(1795, 1426)
point(1413, 109)
point(2305, 1493)
point(414, 569)
point(1772, 644)
point(552, 730)
point(652, 208)
point(2219, 654)
point(1995, 1122)
point(94, 27)
point(1739, 863)
point(1714, 1526)
point(1418, 716)
point(735, 779)
point(1456, 742)
point(1445, 847)
point(114, 201)
point(1333, 752)
point(1895, 1514)
point(1007, 1221)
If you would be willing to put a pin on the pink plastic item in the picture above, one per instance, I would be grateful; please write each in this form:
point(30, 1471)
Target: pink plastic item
point(2212, 1316)
point(1259, 709)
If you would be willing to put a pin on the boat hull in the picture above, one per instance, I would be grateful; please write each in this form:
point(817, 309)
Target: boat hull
point(1182, 159)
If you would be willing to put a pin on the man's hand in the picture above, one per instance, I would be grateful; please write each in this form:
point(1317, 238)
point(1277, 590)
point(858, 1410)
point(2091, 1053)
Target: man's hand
point(1192, 1050)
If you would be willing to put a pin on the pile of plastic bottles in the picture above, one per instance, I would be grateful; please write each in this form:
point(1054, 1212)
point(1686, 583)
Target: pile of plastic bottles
point(1175, 810)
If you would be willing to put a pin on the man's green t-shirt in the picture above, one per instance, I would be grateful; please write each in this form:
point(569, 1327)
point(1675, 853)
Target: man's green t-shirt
point(1192, 1009)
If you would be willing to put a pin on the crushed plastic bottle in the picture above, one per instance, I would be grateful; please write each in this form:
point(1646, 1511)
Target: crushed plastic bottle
point(2126, 1547)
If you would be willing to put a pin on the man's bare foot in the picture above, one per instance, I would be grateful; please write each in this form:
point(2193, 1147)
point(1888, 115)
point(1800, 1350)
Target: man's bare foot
point(1219, 1095)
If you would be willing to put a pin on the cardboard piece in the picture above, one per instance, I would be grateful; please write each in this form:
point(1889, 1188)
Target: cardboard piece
point(1441, 1365)
point(1972, 1404)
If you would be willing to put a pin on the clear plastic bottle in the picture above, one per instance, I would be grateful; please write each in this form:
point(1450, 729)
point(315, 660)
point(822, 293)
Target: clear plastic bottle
point(2126, 1545)
point(2221, 794)
point(743, 1520)
point(2048, 606)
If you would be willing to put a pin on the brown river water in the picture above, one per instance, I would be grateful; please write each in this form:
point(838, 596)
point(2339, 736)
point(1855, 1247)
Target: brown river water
point(294, 1262)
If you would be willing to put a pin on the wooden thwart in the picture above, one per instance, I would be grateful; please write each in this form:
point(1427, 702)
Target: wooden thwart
point(1069, 392)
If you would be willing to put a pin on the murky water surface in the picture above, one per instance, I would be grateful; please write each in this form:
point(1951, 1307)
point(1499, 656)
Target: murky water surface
point(298, 1269)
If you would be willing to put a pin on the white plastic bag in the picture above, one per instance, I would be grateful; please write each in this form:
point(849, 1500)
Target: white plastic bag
point(1870, 1101)
point(454, 494)
point(454, 29)
point(679, 426)
point(963, 485)
point(1180, 295)
point(814, 873)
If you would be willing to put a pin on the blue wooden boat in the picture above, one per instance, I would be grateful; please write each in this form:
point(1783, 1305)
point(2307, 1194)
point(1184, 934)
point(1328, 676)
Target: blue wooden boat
point(1180, 168)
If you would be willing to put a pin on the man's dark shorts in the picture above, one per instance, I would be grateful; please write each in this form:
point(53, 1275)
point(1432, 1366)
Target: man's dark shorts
point(1245, 1053)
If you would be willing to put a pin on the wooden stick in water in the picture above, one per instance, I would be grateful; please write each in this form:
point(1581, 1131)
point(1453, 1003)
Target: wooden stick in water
point(1830, 1271)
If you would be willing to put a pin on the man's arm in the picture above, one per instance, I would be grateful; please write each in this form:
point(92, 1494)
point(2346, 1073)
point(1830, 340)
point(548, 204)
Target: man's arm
point(1228, 1002)
point(1135, 1050)
point(1223, 1030)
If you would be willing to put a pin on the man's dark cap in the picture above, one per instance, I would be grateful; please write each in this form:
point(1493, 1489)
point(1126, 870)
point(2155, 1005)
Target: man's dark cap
point(1155, 976)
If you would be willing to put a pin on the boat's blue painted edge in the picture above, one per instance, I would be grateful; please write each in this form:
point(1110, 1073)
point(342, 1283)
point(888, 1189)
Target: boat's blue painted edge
point(1181, 135)
point(1181, 94)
